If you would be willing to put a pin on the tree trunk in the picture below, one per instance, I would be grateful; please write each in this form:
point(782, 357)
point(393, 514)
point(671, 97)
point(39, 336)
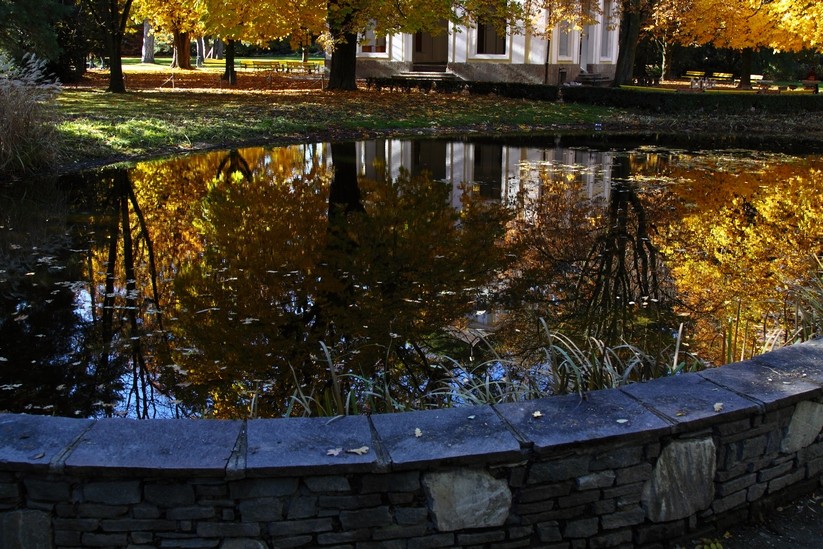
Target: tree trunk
point(344, 64)
point(344, 56)
point(746, 69)
point(216, 51)
point(116, 82)
point(665, 60)
point(200, 41)
point(182, 50)
point(115, 29)
point(230, 75)
point(630, 23)
point(147, 54)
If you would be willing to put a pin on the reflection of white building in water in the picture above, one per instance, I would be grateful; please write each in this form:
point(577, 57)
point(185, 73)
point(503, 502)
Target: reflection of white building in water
point(509, 174)
point(479, 53)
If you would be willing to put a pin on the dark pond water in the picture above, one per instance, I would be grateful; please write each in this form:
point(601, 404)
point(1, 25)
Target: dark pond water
point(392, 274)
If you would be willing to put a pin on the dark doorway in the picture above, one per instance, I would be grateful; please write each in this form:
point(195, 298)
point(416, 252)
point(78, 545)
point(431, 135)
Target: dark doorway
point(431, 50)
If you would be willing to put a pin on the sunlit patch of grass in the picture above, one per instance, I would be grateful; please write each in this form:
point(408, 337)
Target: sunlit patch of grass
point(158, 121)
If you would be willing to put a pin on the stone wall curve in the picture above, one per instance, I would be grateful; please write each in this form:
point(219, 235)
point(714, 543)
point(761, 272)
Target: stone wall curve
point(646, 465)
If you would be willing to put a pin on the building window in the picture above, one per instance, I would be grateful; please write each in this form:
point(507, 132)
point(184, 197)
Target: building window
point(489, 42)
point(564, 37)
point(607, 30)
point(371, 43)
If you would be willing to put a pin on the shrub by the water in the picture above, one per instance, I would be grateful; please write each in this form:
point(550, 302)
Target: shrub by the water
point(28, 140)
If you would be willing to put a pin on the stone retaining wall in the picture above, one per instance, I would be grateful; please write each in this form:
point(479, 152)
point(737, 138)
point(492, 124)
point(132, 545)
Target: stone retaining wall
point(647, 465)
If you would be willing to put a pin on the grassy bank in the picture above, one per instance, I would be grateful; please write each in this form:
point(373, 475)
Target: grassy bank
point(168, 111)
point(155, 118)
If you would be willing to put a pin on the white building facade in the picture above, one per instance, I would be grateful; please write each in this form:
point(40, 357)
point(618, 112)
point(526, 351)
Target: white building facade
point(479, 53)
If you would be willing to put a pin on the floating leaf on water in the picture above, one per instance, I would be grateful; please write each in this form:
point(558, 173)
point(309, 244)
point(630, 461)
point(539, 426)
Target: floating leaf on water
point(718, 406)
point(359, 451)
point(334, 451)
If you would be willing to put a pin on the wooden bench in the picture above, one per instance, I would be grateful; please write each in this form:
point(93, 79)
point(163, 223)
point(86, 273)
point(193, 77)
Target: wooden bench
point(274, 66)
point(725, 77)
point(697, 79)
point(758, 81)
point(299, 67)
point(812, 85)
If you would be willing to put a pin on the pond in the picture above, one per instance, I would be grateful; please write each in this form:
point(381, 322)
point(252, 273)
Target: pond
point(395, 274)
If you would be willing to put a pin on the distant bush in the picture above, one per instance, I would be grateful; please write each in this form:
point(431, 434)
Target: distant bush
point(687, 103)
point(28, 139)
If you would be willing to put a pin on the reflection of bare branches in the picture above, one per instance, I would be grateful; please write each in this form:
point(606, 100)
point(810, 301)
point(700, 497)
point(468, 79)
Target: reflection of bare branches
point(150, 251)
point(120, 233)
point(621, 269)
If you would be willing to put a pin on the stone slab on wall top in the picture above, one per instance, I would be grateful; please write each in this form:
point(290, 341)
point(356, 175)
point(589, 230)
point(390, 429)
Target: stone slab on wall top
point(556, 422)
point(691, 402)
point(33, 442)
point(770, 387)
point(805, 360)
point(163, 447)
point(472, 434)
point(320, 445)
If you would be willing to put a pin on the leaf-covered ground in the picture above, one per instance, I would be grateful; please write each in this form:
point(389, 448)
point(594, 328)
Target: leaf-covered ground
point(196, 110)
point(154, 118)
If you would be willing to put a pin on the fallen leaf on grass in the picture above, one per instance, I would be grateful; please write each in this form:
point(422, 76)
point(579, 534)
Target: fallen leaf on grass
point(537, 413)
point(718, 406)
point(359, 451)
point(334, 451)
point(418, 433)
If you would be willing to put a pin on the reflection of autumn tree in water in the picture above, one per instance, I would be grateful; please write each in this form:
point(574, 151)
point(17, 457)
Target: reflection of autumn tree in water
point(748, 232)
point(292, 259)
point(591, 269)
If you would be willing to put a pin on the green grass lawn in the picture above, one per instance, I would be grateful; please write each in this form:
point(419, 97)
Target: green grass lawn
point(98, 126)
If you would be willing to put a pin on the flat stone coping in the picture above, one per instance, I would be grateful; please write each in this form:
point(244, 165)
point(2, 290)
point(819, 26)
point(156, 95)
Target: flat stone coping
point(482, 435)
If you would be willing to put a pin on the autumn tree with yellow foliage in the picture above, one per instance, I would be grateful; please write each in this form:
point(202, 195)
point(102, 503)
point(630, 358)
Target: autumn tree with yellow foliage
point(180, 18)
point(260, 23)
point(742, 25)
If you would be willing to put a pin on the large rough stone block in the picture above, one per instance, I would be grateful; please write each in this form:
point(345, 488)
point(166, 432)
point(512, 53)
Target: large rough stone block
point(25, 530)
point(806, 424)
point(466, 498)
point(682, 482)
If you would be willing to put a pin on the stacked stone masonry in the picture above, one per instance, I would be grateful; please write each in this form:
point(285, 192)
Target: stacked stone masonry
point(646, 465)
